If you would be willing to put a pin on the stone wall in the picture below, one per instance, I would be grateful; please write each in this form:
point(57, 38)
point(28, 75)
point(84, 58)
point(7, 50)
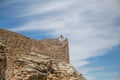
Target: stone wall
point(34, 66)
point(17, 45)
point(55, 46)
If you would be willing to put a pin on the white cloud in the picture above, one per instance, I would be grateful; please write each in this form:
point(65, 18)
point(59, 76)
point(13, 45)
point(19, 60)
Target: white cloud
point(114, 74)
point(88, 24)
point(89, 72)
point(80, 63)
point(47, 7)
point(99, 73)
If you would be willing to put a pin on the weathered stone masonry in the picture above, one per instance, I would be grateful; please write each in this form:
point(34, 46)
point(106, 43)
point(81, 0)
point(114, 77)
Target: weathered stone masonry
point(17, 45)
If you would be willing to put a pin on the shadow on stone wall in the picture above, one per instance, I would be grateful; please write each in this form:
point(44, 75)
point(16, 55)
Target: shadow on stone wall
point(2, 62)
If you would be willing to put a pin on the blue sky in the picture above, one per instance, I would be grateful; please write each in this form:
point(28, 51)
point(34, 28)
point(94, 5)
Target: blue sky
point(92, 27)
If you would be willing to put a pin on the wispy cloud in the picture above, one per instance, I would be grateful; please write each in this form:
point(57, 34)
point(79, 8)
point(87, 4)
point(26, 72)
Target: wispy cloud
point(88, 72)
point(89, 25)
point(99, 73)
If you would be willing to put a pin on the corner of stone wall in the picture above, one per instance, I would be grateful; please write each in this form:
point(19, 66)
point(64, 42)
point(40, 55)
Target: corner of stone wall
point(65, 47)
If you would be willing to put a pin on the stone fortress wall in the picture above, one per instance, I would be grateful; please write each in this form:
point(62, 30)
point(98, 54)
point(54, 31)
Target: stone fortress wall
point(17, 45)
point(35, 66)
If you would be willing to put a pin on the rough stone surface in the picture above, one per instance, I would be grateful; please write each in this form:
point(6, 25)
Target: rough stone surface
point(17, 44)
point(22, 58)
point(35, 66)
point(2, 62)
